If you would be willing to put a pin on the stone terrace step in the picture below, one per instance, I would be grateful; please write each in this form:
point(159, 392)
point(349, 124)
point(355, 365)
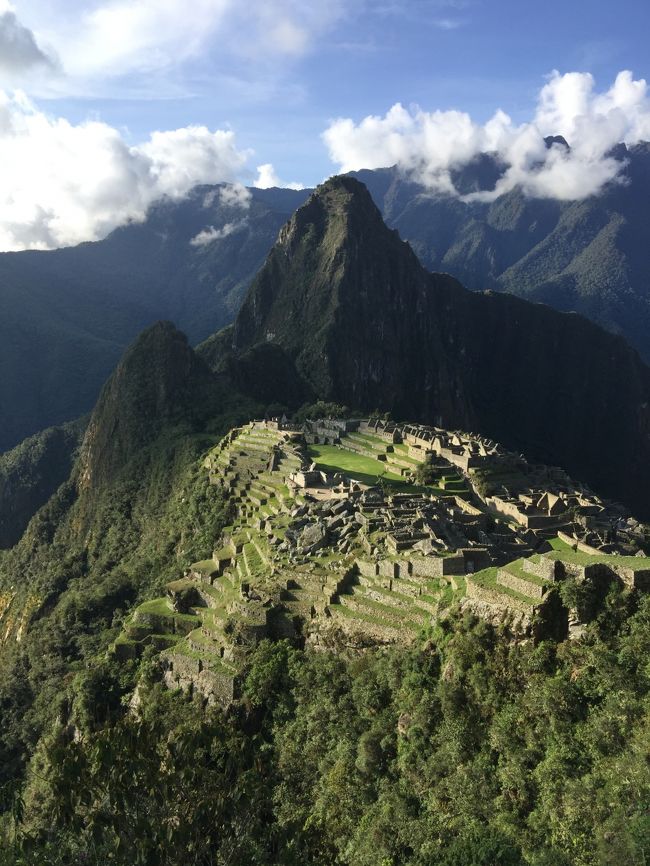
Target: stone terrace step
point(372, 443)
point(403, 603)
point(387, 613)
point(369, 623)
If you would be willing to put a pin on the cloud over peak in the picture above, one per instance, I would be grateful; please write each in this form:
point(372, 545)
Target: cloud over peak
point(429, 146)
point(65, 183)
point(267, 178)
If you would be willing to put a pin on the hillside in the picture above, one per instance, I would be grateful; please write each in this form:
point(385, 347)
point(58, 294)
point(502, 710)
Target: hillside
point(285, 632)
point(358, 320)
point(31, 473)
point(416, 598)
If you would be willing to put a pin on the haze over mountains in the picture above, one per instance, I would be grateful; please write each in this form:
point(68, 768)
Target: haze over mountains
point(69, 314)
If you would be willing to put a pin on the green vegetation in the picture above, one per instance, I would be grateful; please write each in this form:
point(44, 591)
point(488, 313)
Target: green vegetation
point(464, 750)
point(31, 473)
point(320, 409)
point(368, 470)
point(335, 459)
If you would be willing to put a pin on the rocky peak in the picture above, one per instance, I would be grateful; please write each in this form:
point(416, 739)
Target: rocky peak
point(157, 381)
point(362, 322)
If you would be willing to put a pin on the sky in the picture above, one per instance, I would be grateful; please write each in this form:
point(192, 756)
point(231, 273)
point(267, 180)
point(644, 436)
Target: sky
point(106, 105)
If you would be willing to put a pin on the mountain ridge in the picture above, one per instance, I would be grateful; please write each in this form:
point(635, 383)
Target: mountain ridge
point(68, 315)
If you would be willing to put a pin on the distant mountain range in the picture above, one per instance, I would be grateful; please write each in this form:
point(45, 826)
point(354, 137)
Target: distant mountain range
point(587, 256)
point(69, 314)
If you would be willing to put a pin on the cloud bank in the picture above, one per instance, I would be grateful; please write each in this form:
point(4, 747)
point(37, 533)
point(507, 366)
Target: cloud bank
point(65, 183)
point(105, 41)
point(429, 146)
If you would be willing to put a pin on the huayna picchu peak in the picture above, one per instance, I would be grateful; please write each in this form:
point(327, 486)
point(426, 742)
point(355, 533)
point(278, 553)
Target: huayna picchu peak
point(360, 321)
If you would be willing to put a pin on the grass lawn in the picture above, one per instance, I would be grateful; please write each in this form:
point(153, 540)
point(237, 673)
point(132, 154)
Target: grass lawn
point(365, 469)
point(577, 557)
point(557, 544)
point(158, 606)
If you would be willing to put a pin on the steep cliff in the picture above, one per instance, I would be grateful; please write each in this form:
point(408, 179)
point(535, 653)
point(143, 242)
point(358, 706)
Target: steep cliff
point(158, 383)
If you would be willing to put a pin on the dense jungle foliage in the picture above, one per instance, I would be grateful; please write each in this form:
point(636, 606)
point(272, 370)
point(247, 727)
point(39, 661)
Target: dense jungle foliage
point(466, 750)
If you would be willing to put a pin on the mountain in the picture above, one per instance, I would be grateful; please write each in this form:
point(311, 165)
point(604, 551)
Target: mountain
point(588, 256)
point(31, 473)
point(158, 383)
point(69, 314)
point(352, 311)
point(179, 560)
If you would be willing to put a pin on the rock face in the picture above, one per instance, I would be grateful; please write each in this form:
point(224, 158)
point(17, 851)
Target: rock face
point(364, 324)
point(159, 381)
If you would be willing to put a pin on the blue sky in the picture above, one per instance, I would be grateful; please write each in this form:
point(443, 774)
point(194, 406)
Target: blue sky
point(276, 74)
point(474, 56)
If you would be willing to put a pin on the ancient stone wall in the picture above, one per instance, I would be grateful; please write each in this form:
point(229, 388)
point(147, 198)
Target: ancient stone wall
point(518, 584)
point(367, 569)
point(547, 569)
point(437, 566)
point(496, 599)
point(183, 672)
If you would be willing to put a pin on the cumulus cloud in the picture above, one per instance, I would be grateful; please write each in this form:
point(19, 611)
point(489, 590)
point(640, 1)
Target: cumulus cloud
point(19, 50)
point(210, 234)
point(267, 178)
point(66, 183)
point(429, 146)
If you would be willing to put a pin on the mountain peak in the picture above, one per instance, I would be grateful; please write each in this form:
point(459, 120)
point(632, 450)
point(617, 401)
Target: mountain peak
point(156, 383)
point(560, 140)
point(337, 205)
point(350, 308)
point(318, 265)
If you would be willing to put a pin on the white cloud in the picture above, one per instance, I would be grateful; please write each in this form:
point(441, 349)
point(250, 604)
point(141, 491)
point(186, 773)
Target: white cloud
point(139, 35)
point(66, 183)
point(19, 50)
point(210, 234)
point(430, 145)
point(267, 178)
point(235, 195)
point(105, 41)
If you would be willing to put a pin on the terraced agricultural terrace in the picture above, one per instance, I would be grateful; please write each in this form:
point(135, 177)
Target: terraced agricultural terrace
point(353, 533)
